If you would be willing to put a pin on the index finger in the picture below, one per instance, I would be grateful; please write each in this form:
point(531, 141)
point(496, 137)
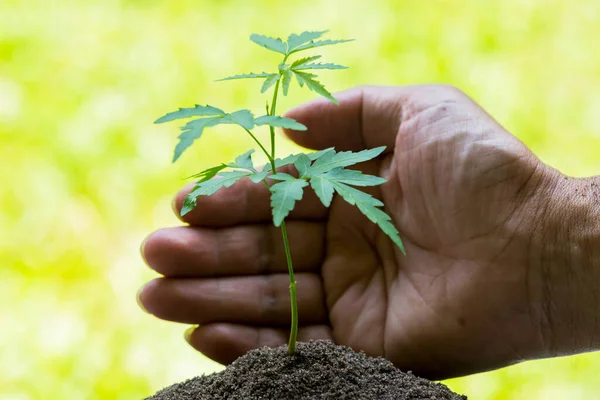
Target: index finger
point(245, 202)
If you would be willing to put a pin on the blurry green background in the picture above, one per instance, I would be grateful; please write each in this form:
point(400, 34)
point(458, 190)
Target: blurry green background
point(85, 176)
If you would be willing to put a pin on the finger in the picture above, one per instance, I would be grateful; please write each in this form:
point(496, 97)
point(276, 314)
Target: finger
point(241, 250)
point(244, 202)
point(256, 300)
point(225, 342)
point(366, 117)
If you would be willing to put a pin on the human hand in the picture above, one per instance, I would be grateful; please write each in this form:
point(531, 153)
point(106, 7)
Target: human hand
point(474, 208)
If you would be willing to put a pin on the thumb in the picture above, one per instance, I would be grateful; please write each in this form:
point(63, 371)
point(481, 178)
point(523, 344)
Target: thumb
point(365, 117)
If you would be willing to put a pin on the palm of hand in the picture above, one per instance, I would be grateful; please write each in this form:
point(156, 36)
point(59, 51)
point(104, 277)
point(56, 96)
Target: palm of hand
point(457, 187)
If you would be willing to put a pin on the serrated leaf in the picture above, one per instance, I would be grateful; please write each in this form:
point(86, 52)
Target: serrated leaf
point(318, 154)
point(319, 43)
point(313, 85)
point(259, 176)
point(270, 81)
point(302, 164)
point(300, 80)
point(319, 66)
point(194, 128)
point(273, 44)
point(192, 131)
point(282, 67)
point(324, 159)
point(284, 196)
point(282, 176)
point(367, 204)
point(196, 111)
point(209, 187)
point(243, 161)
point(251, 75)
point(243, 118)
point(352, 177)
point(286, 79)
point(297, 40)
point(342, 159)
point(323, 188)
point(279, 122)
point(225, 179)
point(208, 173)
point(301, 61)
point(282, 162)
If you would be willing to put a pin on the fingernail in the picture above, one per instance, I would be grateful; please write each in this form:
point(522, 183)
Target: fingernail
point(142, 249)
point(188, 333)
point(139, 301)
point(174, 208)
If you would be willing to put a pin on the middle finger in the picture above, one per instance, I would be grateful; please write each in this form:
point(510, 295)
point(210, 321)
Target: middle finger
point(241, 250)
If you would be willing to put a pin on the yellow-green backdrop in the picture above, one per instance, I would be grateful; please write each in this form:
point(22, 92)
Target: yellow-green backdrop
point(85, 176)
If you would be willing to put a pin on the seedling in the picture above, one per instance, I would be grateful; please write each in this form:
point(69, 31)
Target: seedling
point(324, 171)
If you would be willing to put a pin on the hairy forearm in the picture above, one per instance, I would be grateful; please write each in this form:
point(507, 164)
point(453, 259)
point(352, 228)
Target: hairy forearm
point(568, 246)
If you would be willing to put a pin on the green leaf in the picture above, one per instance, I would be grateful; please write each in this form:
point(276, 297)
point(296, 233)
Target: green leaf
point(352, 177)
point(282, 162)
point(209, 187)
point(287, 78)
point(296, 40)
point(273, 44)
point(323, 188)
point(196, 111)
point(302, 61)
point(320, 66)
point(318, 154)
point(279, 122)
point(314, 85)
point(302, 76)
point(284, 196)
point(270, 81)
point(259, 176)
point(331, 159)
point(194, 128)
point(302, 164)
point(282, 176)
point(319, 43)
point(192, 131)
point(282, 67)
point(243, 161)
point(367, 204)
point(208, 173)
point(243, 118)
point(189, 203)
point(299, 79)
point(251, 75)
point(225, 179)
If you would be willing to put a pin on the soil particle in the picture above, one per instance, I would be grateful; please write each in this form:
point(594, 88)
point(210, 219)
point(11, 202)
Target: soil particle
point(318, 370)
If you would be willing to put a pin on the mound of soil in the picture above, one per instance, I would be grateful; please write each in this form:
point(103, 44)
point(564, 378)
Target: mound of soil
point(318, 370)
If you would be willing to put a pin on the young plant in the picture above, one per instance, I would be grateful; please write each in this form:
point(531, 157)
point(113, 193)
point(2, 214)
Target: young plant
point(324, 171)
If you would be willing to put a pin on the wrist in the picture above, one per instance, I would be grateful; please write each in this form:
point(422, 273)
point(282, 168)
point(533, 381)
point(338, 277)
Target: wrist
point(566, 247)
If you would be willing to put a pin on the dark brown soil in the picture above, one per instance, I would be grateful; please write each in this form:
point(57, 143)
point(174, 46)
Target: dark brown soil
point(318, 370)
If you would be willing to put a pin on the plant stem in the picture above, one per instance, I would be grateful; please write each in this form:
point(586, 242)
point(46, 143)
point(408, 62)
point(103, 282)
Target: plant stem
point(288, 256)
point(271, 129)
point(261, 146)
point(286, 243)
point(274, 107)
